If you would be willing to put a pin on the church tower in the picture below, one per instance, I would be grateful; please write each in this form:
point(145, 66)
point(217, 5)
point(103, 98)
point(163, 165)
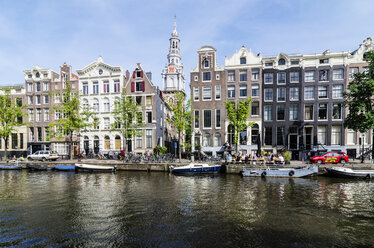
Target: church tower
point(172, 74)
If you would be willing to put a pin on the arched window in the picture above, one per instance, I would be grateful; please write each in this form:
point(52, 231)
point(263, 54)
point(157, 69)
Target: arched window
point(281, 62)
point(243, 137)
point(207, 141)
point(106, 105)
point(217, 140)
point(255, 133)
point(96, 144)
point(85, 103)
point(107, 143)
point(96, 105)
point(117, 144)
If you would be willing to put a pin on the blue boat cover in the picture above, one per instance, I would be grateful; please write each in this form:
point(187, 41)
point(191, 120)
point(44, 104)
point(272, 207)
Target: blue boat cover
point(65, 167)
point(9, 167)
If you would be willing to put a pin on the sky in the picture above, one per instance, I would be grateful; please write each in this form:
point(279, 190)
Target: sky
point(48, 33)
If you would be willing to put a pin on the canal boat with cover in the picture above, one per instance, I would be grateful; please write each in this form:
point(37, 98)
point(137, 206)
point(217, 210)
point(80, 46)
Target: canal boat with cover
point(10, 167)
point(65, 167)
point(97, 168)
point(350, 173)
point(38, 167)
point(196, 168)
point(280, 172)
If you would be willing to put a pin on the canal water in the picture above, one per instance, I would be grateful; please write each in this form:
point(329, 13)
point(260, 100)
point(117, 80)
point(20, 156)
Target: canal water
point(136, 209)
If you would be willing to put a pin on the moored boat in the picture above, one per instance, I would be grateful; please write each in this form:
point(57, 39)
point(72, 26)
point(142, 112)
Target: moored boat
point(38, 167)
point(10, 167)
point(196, 168)
point(349, 173)
point(280, 172)
point(91, 167)
point(65, 167)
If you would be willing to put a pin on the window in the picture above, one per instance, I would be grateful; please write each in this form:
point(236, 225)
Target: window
point(281, 94)
point(294, 62)
point(139, 117)
point(324, 61)
point(322, 92)
point(57, 114)
point(206, 140)
point(218, 92)
point(46, 114)
point(243, 75)
point(148, 100)
point(106, 123)
point(139, 86)
point(268, 135)
point(280, 113)
point(231, 91)
point(39, 133)
point(96, 106)
point(294, 77)
point(268, 113)
point(323, 75)
point(337, 91)
point(280, 136)
point(85, 103)
point(268, 78)
point(95, 88)
point(20, 141)
point(243, 60)
point(116, 86)
point(207, 118)
point(106, 86)
point(309, 76)
point(351, 137)
point(255, 90)
point(255, 74)
point(294, 93)
point(322, 111)
point(281, 78)
point(38, 88)
point(243, 90)
point(269, 64)
point(352, 72)
point(196, 119)
point(139, 73)
point(243, 137)
point(255, 108)
point(365, 70)
point(46, 99)
point(268, 94)
point(217, 76)
point(29, 76)
point(338, 74)
point(217, 140)
point(38, 115)
point(31, 100)
point(218, 118)
point(106, 105)
point(309, 114)
point(207, 93)
point(309, 92)
point(85, 88)
point(335, 135)
point(321, 135)
point(29, 87)
point(207, 76)
point(149, 117)
point(231, 76)
point(337, 111)
point(139, 141)
point(37, 75)
point(294, 110)
point(206, 63)
point(196, 93)
point(38, 99)
point(281, 62)
point(148, 136)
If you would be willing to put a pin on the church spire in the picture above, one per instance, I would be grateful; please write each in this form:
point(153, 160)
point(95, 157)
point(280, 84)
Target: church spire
point(175, 32)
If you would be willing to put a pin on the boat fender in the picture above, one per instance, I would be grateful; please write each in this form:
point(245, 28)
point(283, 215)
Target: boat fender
point(263, 174)
point(291, 173)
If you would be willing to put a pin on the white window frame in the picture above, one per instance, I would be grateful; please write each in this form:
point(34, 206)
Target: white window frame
point(196, 94)
point(217, 92)
point(211, 121)
point(207, 93)
point(338, 76)
point(220, 119)
point(306, 76)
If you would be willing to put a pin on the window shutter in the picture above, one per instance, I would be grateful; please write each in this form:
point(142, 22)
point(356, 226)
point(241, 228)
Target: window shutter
point(143, 86)
point(132, 86)
point(141, 73)
point(133, 74)
point(104, 88)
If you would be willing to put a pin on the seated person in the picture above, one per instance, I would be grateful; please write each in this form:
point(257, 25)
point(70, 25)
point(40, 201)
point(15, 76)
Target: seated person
point(238, 157)
point(21, 158)
point(246, 159)
point(229, 158)
point(281, 159)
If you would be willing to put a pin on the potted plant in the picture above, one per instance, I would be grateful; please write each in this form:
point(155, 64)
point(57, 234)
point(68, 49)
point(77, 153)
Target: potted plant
point(287, 157)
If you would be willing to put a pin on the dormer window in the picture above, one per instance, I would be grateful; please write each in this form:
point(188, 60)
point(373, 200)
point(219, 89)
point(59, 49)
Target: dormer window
point(324, 61)
point(269, 64)
point(364, 56)
point(243, 60)
point(294, 62)
point(30, 76)
point(37, 75)
point(281, 62)
point(206, 63)
point(139, 74)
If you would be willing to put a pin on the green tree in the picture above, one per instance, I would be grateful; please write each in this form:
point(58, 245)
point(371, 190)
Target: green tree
point(238, 117)
point(127, 119)
point(359, 99)
point(181, 114)
point(73, 118)
point(11, 113)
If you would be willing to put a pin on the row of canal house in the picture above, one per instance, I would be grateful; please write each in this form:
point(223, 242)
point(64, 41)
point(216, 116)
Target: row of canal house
point(297, 100)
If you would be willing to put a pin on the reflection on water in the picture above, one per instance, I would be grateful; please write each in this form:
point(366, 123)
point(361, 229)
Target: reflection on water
point(133, 209)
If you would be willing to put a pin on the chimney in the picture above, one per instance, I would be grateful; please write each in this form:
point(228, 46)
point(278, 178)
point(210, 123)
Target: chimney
point(149, 75)
point(127, 75)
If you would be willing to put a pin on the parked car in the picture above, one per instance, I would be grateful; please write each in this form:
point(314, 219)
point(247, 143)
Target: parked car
point(330, 157)
point(44, 155)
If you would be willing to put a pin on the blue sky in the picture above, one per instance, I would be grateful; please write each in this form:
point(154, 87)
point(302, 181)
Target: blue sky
point(49, 33)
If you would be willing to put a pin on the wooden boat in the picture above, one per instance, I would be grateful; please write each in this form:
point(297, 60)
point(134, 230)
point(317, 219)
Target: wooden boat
point(280, 172)
point(38, 167)
point(65, 167)
point(196, 168)
point(350, 173)
point(10, 167)
point(91, 167)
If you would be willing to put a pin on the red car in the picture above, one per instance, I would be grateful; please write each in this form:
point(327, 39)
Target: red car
point(330, 157)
